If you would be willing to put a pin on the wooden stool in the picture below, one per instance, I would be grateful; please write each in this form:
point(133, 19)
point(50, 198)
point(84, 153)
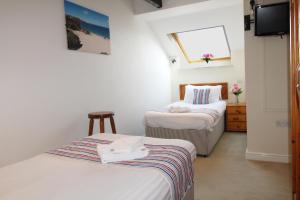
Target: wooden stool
point(101, 116)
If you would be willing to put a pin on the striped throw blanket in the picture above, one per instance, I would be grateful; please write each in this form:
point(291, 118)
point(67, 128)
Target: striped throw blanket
point(173, 161)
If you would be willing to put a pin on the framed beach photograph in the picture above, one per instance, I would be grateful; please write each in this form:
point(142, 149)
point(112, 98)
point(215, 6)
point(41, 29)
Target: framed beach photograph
point(87, 30)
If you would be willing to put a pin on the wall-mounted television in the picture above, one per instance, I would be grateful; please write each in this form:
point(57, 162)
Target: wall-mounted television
point(272, 19)
point(156, 3)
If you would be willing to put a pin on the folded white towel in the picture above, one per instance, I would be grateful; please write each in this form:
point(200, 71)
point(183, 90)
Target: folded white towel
point(125, 145)
point(179, 109)
point(108, 155)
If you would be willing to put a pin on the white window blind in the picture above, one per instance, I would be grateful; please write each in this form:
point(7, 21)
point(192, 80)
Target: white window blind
point(193, 44)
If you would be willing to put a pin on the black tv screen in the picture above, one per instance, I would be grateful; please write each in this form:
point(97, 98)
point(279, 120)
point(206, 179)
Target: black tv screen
point(272, 19)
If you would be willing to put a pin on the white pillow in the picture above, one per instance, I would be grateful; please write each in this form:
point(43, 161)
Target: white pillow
point(215, 93)
point(189, 94)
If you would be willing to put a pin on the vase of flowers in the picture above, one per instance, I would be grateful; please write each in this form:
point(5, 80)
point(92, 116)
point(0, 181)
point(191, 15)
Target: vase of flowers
point(207, 57)
point(236, 90)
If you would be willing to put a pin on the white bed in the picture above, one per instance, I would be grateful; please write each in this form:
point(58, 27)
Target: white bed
point(203, 124)
point(55, 177)
point(204, 116)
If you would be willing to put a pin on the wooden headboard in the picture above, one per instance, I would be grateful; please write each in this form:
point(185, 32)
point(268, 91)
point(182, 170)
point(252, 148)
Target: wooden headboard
point(224, 89)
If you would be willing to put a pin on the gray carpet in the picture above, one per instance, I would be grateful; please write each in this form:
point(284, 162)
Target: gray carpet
point(227, 175)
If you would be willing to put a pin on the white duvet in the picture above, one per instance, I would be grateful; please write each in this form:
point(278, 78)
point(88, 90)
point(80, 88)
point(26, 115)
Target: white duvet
point(203, 116)
point(48, 177)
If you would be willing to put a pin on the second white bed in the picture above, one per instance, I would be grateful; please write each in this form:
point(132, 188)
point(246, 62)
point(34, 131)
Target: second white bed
point(203, 125)
point(204, 116)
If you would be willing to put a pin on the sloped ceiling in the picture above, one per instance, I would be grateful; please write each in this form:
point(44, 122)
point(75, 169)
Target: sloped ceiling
point(201, 15)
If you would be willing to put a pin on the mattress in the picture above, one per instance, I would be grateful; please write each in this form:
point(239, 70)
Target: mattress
point(204, 116)
point(60, 178)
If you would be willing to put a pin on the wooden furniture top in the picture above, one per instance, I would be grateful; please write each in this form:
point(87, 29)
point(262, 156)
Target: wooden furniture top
point(103, 114)
point(236, 104)
point(224, 88)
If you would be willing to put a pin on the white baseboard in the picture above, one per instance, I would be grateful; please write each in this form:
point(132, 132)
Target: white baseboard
point(268, 157)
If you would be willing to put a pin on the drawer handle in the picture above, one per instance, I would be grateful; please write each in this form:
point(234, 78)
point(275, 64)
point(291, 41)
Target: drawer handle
point(235, 118)
point(237, 111)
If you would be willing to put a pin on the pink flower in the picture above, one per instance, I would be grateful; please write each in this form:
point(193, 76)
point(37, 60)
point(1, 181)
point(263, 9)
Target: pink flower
point(236, 89)
point(207, 55)
point(236, 86)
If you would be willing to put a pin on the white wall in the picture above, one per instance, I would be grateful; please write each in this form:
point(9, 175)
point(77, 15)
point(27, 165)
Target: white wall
point(233, 73)
point(47, 90)
point(232, 19)
point(267, 63)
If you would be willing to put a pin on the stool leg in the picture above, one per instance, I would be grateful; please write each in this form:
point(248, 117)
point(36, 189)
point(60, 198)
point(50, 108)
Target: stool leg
point(101, 125)
point(91, 127)
point(112, 124)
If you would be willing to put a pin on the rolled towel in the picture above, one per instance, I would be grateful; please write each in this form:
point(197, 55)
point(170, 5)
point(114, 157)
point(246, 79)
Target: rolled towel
point(108, 155)
point(126, 145)
point(178, 109)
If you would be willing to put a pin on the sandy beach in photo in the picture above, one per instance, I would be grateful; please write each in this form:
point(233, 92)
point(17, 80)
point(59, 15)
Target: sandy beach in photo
point(87, 30)
point(93, 43)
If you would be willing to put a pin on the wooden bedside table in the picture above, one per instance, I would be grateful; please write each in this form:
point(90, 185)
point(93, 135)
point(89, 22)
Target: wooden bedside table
point(236, 119)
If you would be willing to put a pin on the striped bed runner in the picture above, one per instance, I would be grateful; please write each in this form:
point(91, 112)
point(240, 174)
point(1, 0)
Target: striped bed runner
point(173, 161)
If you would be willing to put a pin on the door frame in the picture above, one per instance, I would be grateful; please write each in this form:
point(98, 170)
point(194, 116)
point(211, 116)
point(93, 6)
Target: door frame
point(294, 101)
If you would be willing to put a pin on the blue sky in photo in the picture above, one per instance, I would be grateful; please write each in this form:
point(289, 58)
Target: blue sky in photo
point(86, 14)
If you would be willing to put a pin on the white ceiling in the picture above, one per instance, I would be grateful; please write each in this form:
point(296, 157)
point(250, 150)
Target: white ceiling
point(141, 6)
point(172, 8)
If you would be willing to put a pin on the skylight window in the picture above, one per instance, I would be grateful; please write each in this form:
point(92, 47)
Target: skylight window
point(193, 44)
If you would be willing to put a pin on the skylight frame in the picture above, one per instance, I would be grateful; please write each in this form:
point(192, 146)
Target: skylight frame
point(185, 54)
